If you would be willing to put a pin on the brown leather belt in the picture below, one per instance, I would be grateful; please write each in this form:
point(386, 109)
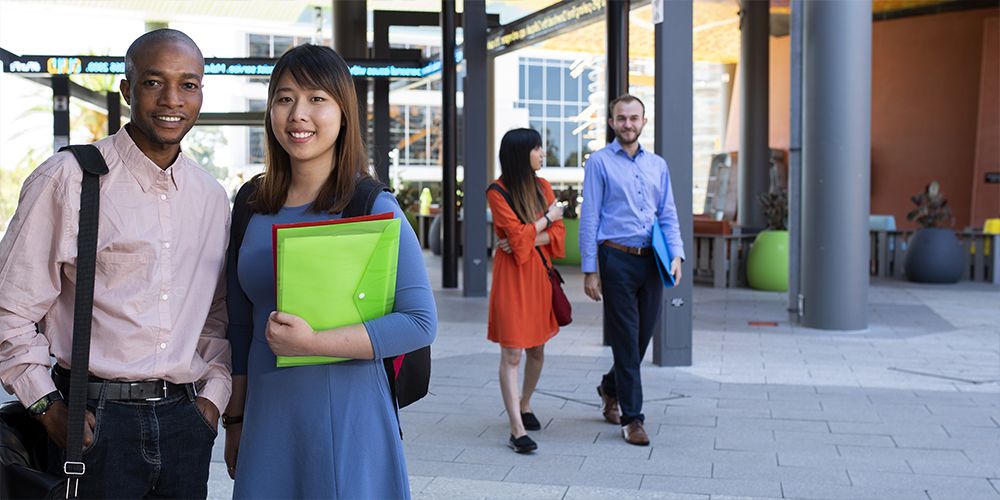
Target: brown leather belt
point(147, 390)
point(641, 252)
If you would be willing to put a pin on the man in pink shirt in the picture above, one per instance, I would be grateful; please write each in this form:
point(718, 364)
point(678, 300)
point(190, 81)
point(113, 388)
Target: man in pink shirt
point(159, 359)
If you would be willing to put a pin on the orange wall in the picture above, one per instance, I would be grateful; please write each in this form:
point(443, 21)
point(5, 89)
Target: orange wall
point(925, 102)
point(986, 197)
point(925, 109)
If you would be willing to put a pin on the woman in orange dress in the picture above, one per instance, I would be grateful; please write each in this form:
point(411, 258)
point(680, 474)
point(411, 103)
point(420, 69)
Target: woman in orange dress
point(521, 317)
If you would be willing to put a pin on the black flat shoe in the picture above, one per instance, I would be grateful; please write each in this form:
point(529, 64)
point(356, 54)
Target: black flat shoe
point(530, 422)
point(523, 444)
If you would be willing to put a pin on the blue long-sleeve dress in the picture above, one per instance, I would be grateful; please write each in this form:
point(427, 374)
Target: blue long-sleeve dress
point(324, 431)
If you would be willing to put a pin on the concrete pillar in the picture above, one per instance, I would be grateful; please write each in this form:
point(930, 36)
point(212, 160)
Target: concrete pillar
point(616, 84)
point(674, 99)
point(114, 112)
point(474, 208)
point(754, 157)
point(449, 160)
point(60, 111)
point(836, 151)
point(350, 40)
point(795, 165)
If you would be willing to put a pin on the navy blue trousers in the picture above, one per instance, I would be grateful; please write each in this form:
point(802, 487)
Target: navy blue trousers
point(632, 295)
point(154, 449)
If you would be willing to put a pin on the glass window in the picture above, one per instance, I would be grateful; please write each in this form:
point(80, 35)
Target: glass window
point(535, 82)
point(535, 110)
point(259, 46)
point(281, 44)
point(572, 88)
point(255, 145)
point(553, 83)
point(553, 111)
point(571, 151)
point(553, 140)
point(521, 81)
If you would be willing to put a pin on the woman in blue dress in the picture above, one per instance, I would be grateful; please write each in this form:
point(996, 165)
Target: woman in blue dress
point(321, 431)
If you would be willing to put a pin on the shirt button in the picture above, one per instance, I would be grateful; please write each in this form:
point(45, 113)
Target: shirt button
point(164, 296)
point(166, 245)
point(163, 196)
point(163, 345)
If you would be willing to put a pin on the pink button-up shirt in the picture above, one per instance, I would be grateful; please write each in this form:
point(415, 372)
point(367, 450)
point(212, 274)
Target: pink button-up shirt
point(159, 295)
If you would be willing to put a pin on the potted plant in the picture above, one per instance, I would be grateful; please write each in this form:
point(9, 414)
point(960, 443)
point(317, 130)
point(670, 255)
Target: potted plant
point(934, 254)
point(569, 199)
point(767, 264)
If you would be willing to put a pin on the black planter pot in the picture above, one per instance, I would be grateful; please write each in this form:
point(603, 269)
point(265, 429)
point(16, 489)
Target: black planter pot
point(934, 256)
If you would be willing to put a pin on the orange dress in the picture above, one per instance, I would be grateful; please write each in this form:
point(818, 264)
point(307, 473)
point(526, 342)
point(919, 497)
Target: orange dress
point(521, 295)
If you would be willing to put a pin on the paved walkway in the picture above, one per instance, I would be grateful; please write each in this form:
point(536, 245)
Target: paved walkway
point(908, 409)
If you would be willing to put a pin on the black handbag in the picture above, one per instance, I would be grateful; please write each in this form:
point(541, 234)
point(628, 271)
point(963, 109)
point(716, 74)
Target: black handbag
point(24, 445)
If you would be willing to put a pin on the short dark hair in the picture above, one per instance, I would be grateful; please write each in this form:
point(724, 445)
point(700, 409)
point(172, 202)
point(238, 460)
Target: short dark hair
point(153, 37)
point(625, 98)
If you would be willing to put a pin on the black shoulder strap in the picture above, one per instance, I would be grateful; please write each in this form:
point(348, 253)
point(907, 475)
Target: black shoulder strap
point(365, 194)
point(496, 187)
point(94, 166)
point(241, 218)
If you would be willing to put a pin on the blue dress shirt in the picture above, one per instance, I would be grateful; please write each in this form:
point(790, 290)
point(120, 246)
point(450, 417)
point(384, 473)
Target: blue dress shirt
point(622, 198)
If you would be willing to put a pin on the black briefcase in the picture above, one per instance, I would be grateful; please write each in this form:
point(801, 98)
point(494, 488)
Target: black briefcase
point(24, 457)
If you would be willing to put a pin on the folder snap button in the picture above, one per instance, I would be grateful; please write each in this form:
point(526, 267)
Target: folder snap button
point(361, 295)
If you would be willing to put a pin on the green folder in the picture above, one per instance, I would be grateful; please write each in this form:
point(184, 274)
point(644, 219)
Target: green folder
point(335, 273)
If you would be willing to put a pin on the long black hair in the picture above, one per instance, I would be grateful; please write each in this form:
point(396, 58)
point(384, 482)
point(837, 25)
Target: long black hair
point(517, 174)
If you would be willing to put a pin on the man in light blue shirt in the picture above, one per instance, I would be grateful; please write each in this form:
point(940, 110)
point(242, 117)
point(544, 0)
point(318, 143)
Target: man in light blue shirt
point(626, 192)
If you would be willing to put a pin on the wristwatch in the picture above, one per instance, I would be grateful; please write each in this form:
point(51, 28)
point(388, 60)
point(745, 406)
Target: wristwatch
point(42, 405)
point(227, 420)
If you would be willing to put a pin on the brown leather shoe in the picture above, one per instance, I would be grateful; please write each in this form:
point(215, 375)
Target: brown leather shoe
point(635, 434)
point(610, 407)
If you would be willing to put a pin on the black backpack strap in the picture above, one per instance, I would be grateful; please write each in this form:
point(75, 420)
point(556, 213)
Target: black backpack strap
point(241, 218)
point(94, 166)
point(365, 194)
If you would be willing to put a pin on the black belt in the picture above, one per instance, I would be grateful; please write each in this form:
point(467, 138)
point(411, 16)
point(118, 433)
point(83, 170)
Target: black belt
point(147, 390)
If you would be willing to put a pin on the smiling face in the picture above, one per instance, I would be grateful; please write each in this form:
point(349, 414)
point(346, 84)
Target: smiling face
point(537, 157)
point(165, 94)
point(306, 122)
point(627, 120)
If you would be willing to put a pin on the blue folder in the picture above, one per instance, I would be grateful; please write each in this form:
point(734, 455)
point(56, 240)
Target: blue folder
point(663, 257)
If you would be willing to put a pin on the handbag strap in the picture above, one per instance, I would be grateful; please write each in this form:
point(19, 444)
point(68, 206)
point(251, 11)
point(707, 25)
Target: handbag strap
point(503, 192)
point(94, 166)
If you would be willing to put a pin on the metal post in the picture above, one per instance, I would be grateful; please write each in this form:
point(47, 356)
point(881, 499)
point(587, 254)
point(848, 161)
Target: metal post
point(795, 164)
point(380, 104)
point(754, 156)
point(836, 151)
point(350, 40)
point(114, 112)
point(60, 111)
point(474, 205)
point(616, 13)
point(449, 160)
point(674, 99)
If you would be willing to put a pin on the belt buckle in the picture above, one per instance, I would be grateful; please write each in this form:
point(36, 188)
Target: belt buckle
point(163, 386)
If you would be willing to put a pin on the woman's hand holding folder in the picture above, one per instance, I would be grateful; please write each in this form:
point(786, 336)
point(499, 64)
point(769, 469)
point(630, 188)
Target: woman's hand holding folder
point(290, 335)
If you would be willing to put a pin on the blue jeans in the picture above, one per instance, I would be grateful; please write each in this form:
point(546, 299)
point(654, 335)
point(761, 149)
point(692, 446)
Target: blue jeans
point(146, 449)
point(632, 294)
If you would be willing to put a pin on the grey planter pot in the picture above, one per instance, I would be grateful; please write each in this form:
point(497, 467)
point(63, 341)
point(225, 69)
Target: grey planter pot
point(934, 256)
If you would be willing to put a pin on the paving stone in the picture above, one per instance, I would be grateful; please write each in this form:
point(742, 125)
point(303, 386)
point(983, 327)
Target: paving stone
point(451, 488)
point(715, 486)
point(594, 493)
point(458, 470)
point(809, 490)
